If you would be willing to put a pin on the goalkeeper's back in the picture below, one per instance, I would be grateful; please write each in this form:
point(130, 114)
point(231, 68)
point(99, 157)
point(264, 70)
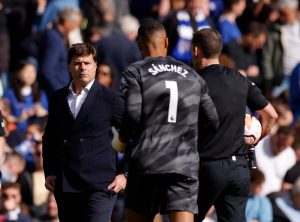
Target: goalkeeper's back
point(162, 101)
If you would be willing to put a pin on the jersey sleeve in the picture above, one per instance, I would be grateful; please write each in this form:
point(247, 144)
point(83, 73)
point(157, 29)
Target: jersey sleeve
point(255, 99)
point(207, 114)
point(131, 89)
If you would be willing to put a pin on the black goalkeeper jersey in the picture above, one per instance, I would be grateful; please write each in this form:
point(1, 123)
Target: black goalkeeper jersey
point(162, 101)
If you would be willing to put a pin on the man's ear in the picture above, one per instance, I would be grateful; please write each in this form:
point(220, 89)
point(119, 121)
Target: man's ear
point(166, 42)
point(195, 51)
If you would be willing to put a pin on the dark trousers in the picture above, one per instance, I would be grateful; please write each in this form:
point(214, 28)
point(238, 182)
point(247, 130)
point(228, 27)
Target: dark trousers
point(226, 185)
point(85, 207)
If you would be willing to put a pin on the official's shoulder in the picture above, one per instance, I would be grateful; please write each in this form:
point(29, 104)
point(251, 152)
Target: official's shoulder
point(234, 73)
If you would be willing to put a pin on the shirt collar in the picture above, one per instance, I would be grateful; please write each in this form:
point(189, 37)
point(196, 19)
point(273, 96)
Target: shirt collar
point(86, 89)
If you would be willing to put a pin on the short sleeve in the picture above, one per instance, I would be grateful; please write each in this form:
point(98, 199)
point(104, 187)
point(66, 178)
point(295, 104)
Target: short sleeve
point(255, 99)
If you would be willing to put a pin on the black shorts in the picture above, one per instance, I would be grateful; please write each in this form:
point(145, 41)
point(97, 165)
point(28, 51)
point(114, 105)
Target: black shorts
point(161, 193)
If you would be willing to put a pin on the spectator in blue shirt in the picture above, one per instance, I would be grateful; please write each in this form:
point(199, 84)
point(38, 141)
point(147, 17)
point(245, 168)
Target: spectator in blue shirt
point(258, 208)
point(227, 25)
point(28, 102)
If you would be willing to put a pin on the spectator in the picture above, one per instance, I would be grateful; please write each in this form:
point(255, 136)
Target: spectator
point(33, 134)
point(285, 115)
point(129, 26)
point(258, 208)
point(11, 210)
point(294, 93)
point(116, 50)
point(286, 205)
point(244, 51)
point(12, 167)
point(280, 54)
point(53, 8)
point(180, 27)
point(156, 9)
point(39, 192)
point(293, 173)
point(227, 26)
point(4, 49)
point(53, 71)
point(272, 154)
point(28, 102)
point(51, 214)
point(105, 75)
point(2, 134)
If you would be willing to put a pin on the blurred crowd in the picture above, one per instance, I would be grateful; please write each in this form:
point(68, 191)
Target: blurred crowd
point(261, 39)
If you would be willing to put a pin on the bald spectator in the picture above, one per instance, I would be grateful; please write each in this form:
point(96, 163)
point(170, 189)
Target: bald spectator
point(129, 26)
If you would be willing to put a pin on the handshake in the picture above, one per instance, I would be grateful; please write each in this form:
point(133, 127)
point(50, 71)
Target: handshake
point(117, 142)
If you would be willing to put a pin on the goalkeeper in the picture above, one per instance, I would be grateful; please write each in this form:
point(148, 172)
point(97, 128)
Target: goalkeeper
point(162, 101)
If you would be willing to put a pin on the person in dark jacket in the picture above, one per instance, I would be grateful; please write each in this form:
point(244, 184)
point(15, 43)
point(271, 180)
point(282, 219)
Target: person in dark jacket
point(53, 71)
point(79, 163)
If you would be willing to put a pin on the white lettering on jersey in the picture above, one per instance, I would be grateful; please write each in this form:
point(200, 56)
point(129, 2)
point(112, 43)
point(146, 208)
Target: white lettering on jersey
point(167, 68)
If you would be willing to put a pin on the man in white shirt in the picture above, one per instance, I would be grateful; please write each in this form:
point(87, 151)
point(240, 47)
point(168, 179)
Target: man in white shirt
point(275, 157)
point(79, 163)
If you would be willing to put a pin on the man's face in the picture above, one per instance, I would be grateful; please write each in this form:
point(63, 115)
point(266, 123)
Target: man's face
point(280, 142)
point(193, 6)
point(83, 69)
point(288, 15)
point(11, 198)
point(104, 75)
point(239, 7)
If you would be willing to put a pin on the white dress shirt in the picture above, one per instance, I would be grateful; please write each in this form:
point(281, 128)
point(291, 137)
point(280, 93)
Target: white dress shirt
point(76, 100)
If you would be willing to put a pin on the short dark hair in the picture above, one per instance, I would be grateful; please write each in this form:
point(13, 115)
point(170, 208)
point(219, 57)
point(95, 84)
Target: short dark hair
point(229, 3)
point(9, 185)
point(256, 28)
point(209, 41)
point(286, 130)
point(82, 49)
point(149, 27)
point(257, 177)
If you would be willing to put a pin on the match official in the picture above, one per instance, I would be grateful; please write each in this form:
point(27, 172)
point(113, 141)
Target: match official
point(224, 174)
